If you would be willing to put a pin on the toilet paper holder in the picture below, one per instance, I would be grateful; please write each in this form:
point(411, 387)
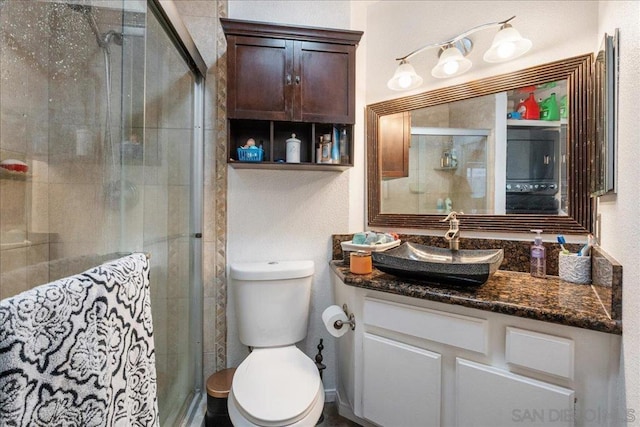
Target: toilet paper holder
point(338, 324)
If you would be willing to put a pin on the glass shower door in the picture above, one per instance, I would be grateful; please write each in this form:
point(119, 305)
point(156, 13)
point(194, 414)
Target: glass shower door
point(167, 211)
point(156, 152)
point(150, 195)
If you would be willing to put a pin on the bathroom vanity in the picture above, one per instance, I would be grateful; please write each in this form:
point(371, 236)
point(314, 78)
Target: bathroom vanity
point(515, 350)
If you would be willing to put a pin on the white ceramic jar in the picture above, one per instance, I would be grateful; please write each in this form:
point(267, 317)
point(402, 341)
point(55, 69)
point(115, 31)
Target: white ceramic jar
point(293, 149)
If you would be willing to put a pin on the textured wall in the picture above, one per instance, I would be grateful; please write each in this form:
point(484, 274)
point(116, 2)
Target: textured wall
point(620, 230)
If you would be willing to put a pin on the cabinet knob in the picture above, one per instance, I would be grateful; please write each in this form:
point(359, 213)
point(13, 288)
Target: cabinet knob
point(297, 80)
point(288, 79)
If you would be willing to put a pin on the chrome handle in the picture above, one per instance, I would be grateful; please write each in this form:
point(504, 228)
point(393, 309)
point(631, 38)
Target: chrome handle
point(338, 324)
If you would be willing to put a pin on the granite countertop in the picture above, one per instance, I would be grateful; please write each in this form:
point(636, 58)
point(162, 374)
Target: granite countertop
point(507, 292)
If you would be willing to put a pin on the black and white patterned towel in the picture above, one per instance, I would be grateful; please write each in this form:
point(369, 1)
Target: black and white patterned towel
point(79, 351)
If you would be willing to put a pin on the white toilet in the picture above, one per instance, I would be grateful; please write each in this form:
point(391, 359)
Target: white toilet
point(277, 384)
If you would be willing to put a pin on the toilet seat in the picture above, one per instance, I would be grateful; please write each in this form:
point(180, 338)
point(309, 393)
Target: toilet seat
point(277, 387)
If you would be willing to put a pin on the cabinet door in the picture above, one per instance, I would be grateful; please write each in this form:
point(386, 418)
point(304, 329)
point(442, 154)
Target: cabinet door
point(260, 79)
point(543, 159)
point(394, 137)
point(401, 384)
point(487, 396)
point(324, 80)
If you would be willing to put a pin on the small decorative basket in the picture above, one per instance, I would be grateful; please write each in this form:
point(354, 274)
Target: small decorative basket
point(250, 154)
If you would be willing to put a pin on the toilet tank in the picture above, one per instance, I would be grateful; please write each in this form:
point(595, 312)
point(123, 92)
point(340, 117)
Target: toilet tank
point(272, 301)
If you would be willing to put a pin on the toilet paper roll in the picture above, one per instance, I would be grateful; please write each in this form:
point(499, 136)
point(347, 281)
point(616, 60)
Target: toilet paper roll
point(329, 317)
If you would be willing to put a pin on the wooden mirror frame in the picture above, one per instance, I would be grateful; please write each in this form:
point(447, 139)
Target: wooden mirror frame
point(577, 71)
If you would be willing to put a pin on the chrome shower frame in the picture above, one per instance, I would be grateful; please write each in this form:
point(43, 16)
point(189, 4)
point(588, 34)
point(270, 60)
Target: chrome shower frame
point(169, 18)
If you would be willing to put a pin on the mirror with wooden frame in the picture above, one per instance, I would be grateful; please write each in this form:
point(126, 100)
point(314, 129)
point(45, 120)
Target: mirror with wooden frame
point(389, 122)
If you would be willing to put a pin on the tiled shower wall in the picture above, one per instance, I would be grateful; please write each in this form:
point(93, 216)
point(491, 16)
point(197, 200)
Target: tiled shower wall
point(51, 109)
point(411, 195)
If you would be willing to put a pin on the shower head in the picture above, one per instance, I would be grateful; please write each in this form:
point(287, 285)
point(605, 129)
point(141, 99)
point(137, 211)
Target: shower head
point(87, 12)
point(103, 39)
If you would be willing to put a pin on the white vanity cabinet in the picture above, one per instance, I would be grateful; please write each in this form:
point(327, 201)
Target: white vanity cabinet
point(487, 396)
point(413, 362)
point(391, 365)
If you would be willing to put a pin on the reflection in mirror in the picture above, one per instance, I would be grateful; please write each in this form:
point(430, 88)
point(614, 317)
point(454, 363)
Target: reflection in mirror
point(453, 149)
point(474, 148)
point(445, 164)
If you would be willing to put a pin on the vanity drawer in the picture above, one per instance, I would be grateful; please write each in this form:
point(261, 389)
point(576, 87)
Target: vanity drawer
point(464, 332)
point(540, 352)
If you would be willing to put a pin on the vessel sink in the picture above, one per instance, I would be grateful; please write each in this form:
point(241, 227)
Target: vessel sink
point(467, 267)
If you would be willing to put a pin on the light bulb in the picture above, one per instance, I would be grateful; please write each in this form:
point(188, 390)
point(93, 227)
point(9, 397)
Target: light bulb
point(451, 63)
point(451, 67)
point(507, 44)
point(506, 49)
point(404, 78)
point(404, 81)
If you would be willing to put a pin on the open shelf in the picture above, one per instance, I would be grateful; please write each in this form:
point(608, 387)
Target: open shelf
point(536, 123)
point(272, 136)
point(290, 166)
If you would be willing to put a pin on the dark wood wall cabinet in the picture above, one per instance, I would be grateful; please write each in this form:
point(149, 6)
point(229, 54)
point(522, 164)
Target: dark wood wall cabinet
point(283, 79)
point(394, 136)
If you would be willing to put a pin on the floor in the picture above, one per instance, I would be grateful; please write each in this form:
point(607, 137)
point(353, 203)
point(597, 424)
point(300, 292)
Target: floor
point(333, 419)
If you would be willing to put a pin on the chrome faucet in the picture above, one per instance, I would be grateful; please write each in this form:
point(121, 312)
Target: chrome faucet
point(453, 235)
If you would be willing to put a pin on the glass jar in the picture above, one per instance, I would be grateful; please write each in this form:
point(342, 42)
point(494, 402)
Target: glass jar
point(360, 262)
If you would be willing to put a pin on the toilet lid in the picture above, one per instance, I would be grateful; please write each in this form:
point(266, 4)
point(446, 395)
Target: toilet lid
point(276, 385)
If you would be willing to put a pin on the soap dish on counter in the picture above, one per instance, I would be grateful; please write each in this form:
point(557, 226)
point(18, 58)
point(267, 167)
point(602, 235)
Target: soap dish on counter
point(9, 174)
point(349, 246)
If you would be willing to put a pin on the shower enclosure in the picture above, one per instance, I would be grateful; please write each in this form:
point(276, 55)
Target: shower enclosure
point(103, 101)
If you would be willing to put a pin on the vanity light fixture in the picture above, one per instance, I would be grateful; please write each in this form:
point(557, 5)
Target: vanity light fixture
point(452, 60)
point(507, 44)
point(405, 77)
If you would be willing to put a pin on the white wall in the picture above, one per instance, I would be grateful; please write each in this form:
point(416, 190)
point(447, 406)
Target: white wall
point(558, 30)
point(289, 215)
point(357, 176)
point(619, 214)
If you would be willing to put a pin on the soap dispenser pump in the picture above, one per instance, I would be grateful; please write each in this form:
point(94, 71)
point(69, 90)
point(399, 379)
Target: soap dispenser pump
point(538, 256)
